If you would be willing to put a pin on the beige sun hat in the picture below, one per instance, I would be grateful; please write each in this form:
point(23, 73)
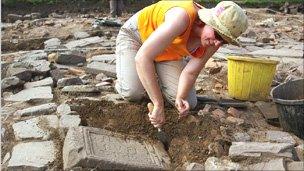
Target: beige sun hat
point(227, 18)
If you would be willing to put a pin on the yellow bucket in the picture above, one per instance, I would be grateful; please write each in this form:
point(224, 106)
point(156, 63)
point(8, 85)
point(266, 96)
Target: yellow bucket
point(250, 78)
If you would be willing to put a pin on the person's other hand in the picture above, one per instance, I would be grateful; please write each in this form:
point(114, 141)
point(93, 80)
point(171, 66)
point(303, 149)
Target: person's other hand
point(182, 106)
point(157, 116)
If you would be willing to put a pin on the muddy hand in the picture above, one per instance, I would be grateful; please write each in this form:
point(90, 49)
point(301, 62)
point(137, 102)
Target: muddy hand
point(182, 106)
point(156, 115)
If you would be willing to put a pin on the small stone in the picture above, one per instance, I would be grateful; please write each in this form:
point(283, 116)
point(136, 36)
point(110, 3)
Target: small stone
point(241, 137)
point(216, 149)
point(52, 57)
point(234, 112)
point(69, 81)
point(234, 120)
point(103, 84)
point(205, 111)
point(194, 167)
point(110, 80)
point(52, 43)
point(64, 109)
point(10, 82)
point(218, 114)
point(213, 163)
point(81, 35)
point(218, 86)
point(100, 76)
point(2, 133)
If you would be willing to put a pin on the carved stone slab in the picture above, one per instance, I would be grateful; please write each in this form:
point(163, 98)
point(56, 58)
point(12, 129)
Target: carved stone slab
point(87, 147)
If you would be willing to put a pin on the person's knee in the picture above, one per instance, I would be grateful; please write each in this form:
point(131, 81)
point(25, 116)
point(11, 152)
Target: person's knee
point(132, 95)
point(192, 102)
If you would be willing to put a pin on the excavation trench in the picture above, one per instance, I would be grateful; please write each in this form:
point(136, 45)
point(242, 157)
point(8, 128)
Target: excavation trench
point(190, 136)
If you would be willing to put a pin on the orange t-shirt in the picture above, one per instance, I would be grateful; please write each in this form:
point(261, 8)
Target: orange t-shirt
point(154, 15)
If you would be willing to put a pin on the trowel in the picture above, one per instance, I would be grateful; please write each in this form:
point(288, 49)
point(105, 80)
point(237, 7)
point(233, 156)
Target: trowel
point(160, 135)
point(222, 102)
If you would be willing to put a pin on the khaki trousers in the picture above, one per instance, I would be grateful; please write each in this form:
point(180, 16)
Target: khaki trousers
point(128, 84)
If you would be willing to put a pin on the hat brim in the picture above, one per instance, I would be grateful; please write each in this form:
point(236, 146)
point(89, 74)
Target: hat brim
point(206, 15)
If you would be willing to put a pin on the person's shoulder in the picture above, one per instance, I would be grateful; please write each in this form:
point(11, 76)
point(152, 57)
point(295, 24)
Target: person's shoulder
point(177, 14)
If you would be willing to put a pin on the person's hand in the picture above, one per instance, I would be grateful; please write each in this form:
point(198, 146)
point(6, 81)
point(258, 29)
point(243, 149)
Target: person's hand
point(182, 106)
point(156, 116)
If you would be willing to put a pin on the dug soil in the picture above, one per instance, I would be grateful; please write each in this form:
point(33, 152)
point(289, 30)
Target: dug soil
point(191, 136)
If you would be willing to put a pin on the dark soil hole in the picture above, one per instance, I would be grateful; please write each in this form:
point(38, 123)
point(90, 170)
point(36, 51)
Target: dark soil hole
point(190, 139)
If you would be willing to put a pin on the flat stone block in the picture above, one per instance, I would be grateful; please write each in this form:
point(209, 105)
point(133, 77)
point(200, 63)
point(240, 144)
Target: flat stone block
point(87, 147)
point(80, 89)
point(67, 121)
point(275, 164)
point(34, 94)
point(45, 82)
point(64, 109)
point(255, 149)
point(32, 156)
point(44, 109)
point(84, 42)
point(280, 137)
point(99, 67)
point(108, 58)
point(36, 128)
point(295, 166)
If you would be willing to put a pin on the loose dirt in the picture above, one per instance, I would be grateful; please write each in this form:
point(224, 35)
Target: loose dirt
point(190, 136)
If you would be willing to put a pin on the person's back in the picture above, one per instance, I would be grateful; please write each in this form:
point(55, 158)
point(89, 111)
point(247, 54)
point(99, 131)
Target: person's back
point(162, 49)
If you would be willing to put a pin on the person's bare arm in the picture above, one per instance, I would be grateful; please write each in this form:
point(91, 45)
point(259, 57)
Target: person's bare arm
point(188, 77)
point(153, 46)
point(176, 22)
